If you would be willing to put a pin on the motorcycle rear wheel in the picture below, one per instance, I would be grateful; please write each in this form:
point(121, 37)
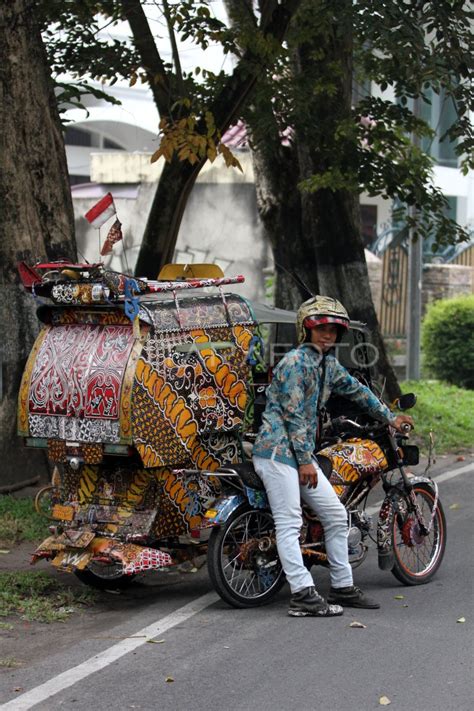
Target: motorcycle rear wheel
point(244, 575)
point(417, 558)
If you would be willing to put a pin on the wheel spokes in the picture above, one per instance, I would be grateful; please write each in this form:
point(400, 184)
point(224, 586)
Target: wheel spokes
point(417, 557)
point(242, 561)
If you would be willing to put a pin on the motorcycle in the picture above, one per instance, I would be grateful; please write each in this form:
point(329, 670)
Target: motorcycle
point(139, 392)
point(356, 457)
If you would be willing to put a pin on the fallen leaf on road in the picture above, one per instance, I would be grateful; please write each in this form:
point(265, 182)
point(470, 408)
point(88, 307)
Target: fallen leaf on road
point(399, 597)
point(155, 641)
point(460, 458)
point(454, 506)
point(461, 619)
point(18, 688)
point(169, 678)
point(358, 625)
point(384, 701)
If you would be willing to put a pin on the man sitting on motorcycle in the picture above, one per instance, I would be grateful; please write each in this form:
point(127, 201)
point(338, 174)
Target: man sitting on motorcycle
point(283, 455)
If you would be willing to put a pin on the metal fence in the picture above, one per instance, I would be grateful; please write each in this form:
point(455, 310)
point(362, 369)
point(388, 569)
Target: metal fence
point(466, 258)
point(393, 303)
point(393, 306)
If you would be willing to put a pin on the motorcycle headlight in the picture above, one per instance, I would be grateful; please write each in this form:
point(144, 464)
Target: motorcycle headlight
point(411, 454)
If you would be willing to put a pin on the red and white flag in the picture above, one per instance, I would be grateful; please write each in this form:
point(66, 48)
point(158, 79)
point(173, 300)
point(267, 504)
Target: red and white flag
point(115, 235)
point(101, 211)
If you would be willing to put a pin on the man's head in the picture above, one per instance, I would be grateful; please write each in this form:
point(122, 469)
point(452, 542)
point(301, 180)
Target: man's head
point(319, 315)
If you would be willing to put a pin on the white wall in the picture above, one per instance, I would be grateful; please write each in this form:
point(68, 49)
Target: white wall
point(220, 223)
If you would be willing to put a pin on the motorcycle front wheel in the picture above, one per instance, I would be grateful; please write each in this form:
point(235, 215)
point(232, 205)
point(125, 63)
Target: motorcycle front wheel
point(242, 558)
point(418, 557)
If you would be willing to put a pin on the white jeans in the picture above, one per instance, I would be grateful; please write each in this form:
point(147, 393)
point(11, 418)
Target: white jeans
point(284, 494)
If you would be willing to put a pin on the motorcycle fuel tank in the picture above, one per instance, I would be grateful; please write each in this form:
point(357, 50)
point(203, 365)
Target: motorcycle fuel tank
point(352, 460)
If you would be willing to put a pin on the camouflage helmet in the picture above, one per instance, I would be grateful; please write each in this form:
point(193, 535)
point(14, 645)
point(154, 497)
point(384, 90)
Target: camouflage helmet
point(319, 310)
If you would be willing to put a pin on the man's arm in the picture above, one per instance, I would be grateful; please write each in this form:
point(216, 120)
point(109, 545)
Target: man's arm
point(347, 386)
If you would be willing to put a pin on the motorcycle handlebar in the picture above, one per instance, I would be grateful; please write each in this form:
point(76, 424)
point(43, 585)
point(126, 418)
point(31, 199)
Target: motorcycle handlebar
point(344, 422)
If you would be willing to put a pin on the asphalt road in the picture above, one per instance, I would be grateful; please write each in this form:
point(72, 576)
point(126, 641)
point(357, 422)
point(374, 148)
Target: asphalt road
point(413, 650)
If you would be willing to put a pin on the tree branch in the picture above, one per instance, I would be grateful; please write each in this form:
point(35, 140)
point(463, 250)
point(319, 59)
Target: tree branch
point(174, 47)
point(151, 59)
point(239, 85)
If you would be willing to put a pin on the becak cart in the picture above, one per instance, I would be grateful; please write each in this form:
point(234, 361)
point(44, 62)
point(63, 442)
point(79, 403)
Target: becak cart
point(131, 384)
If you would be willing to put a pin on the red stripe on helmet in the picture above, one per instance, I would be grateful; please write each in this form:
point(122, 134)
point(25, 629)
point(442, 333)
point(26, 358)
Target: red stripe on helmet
point(313, 321)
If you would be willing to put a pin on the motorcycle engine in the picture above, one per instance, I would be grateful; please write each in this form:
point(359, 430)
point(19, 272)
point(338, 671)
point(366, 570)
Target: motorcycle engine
point(354, 537)
point(360, 524)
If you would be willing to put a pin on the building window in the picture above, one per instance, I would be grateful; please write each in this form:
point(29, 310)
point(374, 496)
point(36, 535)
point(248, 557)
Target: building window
point(89, 139)
point(77, 137)
point(111, 144)
point(79, 179)
point(361, 89)
point(439, 112)
point(442, 254)
point(368, 218)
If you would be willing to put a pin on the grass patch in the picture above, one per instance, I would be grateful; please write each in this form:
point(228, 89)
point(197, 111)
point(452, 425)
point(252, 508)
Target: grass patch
point(20, 522)
point(9, 663)
point(39, 597)
point(447, 411)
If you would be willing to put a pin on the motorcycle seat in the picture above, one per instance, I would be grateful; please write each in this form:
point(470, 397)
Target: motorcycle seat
point(248, 475)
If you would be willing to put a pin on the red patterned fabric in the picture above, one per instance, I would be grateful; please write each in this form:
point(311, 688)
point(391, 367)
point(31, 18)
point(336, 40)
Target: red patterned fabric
point(115, 235)
point(147, 559)
point(79, 370)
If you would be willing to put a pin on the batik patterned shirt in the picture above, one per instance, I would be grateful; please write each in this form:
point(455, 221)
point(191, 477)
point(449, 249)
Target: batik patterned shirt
point(290, 420)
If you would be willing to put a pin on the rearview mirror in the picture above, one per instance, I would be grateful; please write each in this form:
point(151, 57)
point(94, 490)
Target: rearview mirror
point(406, 402)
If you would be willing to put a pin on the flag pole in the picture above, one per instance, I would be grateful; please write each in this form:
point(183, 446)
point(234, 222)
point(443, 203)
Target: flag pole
point(125, 255)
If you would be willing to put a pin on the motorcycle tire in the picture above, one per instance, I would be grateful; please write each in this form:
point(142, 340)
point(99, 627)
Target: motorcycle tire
point(105, 580)
point(242, 573)
point(417, 558)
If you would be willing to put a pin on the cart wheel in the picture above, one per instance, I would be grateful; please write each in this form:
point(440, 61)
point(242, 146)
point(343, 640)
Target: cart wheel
point(45, 500)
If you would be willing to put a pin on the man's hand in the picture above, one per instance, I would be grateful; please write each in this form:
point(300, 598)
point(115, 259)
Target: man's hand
point(401, 420)
point(308, 474)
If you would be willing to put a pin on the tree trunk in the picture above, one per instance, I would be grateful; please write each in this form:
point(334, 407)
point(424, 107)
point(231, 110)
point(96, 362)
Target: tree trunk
point(279, 207)
point(333, 215)
point(178, 177)
point(36, 215)
point(164, 219)
point(343, 273)
point(316, 236)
